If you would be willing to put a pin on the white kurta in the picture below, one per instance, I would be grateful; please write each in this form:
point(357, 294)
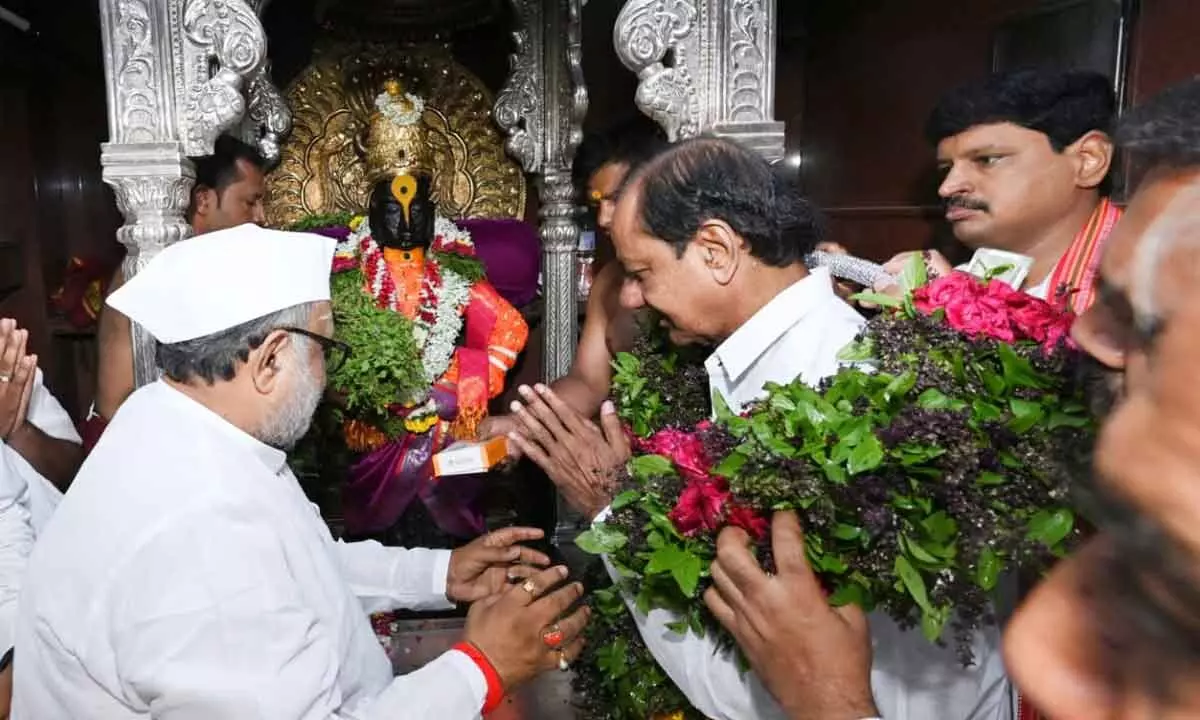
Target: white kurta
point(799, 335)
point(27, 499)
point(187, 576)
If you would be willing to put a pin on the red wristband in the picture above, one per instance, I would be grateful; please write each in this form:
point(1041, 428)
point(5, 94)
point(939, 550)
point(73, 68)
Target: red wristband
point(495, 688)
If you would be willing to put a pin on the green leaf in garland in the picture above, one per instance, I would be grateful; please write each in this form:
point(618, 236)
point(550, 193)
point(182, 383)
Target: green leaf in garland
point(1059, 419)
point(986, 479)
point(933, 623)
point(731, 465)
point(866, 456)
point(1051, 527)
point(1018, 372)
point(857, 351)
point(325, 220)
point(911, 578)
point(879, 299)
point(682, 565)
point(914, 275)
point(601, 539)
point(626, 498)
point(1026, 414)
point(987, 571)
point(646, 467)
point(467, 267)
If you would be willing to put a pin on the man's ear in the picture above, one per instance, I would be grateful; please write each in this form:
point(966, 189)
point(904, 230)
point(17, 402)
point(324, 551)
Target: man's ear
point(1094, 155)
point(265, 363)
point(205, 200)
point(720, 249)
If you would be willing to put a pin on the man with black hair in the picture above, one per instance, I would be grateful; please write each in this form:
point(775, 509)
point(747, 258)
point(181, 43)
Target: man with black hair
point(1025, 159)
point(713, 240)
point(229, 191)
point(602, 164)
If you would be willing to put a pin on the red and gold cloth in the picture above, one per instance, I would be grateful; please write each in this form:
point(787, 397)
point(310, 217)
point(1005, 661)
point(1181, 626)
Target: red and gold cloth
point(1075, 273)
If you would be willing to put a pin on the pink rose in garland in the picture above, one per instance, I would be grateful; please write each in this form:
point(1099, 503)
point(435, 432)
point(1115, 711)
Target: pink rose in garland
point(701, 506)
point(994, 309)
point(683, 449)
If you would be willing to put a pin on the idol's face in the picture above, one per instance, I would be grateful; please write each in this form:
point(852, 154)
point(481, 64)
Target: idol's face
point(1002, 183)
point(690, 290)
point(1114, 631)
point(402, 212)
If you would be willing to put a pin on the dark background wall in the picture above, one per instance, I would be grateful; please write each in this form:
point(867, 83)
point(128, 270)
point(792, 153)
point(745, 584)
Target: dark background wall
point(856, 80)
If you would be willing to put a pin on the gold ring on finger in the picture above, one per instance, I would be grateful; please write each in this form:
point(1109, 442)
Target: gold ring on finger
point(5, 378)
point(529, 587)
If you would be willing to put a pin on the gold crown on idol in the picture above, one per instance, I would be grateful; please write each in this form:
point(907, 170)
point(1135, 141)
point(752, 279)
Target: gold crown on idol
point(397, 142)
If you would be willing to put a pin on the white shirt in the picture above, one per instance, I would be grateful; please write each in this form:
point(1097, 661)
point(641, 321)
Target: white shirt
point(798, 335)
point(187, 576)
point(27, 499)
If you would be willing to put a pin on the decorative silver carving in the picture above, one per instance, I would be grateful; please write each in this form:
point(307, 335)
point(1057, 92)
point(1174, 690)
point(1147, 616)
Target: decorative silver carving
point(219, 48)
point(152, 183)
point(704, 66)
point(268, 119)
point(139, 106)
point(541, 109)
point(646, 33)
point(175, 70)
point(517, 109)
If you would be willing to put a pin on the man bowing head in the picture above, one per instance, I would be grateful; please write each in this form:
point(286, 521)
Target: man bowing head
point(186, 575)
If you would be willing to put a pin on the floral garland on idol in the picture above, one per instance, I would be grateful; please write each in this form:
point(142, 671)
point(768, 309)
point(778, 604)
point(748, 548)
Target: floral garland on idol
point(935, 462)
point(386, 381)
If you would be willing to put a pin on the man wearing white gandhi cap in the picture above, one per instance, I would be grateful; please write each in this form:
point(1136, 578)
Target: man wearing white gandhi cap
point(186, 575)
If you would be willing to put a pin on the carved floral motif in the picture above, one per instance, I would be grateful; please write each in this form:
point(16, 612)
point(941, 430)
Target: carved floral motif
point(518, 108)
point(135, 101)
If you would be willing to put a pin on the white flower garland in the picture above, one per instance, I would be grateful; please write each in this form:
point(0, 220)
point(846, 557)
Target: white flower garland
point(397, 112)
point(437, 343)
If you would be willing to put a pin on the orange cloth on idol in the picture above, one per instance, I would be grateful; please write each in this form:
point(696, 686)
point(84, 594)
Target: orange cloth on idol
point(507, 337)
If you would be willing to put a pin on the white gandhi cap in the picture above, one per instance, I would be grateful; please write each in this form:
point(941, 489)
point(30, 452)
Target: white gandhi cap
point(213, 282)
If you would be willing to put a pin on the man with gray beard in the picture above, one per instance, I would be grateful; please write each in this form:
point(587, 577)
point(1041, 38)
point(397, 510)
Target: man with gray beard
point(187, 576)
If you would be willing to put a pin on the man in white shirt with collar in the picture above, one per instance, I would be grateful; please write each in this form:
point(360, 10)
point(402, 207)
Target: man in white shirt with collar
point(40, 452)
point(187, 576)
point(711, 239)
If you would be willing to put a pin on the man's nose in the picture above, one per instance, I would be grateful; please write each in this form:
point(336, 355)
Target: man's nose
point(260, 214)
point(604, 217)
point(631, 295)
point(956, 182)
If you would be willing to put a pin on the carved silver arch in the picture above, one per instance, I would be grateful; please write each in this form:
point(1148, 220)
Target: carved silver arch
point(177, 74)
point(541, 109)
point(705, 66)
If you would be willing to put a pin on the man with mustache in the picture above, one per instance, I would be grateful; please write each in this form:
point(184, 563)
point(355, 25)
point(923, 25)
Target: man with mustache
point(714, 241)
point(1025, 159)
point(187, 576)
point(1114, 631)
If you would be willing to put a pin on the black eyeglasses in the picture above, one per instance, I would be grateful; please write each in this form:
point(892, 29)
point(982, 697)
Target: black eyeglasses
point(336, 351)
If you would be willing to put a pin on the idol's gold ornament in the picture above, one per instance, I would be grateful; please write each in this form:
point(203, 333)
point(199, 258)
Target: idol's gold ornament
point(341, 135)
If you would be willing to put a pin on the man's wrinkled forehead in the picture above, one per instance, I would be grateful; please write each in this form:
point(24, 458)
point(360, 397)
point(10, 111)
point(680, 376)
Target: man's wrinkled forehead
point(1161, 261)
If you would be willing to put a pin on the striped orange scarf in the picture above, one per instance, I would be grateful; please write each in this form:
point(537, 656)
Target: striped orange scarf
point(1075, 275)
point(1076, 272)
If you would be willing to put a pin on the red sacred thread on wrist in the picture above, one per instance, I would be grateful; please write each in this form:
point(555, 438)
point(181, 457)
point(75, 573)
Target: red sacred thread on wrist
point(495, 688)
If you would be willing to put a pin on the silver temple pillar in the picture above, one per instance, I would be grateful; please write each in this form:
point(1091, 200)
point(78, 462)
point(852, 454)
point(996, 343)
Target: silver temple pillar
point(178, 73)
point(705, 66)
point(541, 109)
